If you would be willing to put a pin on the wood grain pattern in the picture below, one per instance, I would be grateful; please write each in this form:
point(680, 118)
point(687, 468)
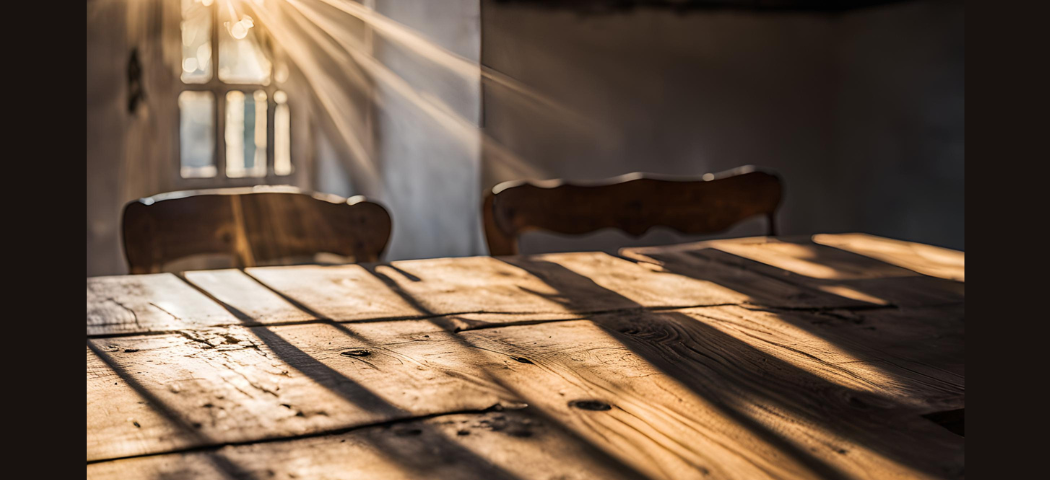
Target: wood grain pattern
point(689, 402)
point(512, 444)
point(929, 339)
point(794, 255)
point(252, 226)
point(676, 380)
point(166, 302)
point(208, 387)
point(632, 203)
point(912, 357)
point(144, 303)
point(710, 273)
point(925, 259)
point(687, 396)
point(484, 285)
point(760, 289)
point(691, 363)
point(812, 266)
point(246, 295)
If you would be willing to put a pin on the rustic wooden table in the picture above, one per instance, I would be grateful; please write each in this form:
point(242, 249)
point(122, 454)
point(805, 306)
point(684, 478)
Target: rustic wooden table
point(839, 356)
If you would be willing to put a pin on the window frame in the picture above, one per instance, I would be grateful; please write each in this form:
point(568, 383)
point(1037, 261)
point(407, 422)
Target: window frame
point(219, 89)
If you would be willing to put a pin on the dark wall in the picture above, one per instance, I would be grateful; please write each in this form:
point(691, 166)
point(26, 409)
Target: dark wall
point(861, 111)
point(899, 121)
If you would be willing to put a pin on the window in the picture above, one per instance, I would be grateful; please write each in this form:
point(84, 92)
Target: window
point(234, 121)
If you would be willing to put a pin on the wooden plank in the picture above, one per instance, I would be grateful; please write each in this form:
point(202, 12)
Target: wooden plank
point(585, 282)
point(258, 304)
point(669, 394)
point(925, 259)
point(512, 444)
point(759, 289)
point(160, 393)
point(247, 302)
point(737, 388)
point(487, 285)
point(144, 303)
point(812, 266)
point(646, 286)
point(802, 257)
point(930, 340)
point(247, 296)
point(913, 357)
point(675, 397)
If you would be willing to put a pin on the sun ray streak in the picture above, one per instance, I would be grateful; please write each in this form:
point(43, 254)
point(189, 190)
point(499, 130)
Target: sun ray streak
point(321, 85)
point(469, 135)
point(458, 64)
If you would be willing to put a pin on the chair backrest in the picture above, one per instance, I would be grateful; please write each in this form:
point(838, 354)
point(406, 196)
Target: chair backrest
point(633, 203)
point(253, 225)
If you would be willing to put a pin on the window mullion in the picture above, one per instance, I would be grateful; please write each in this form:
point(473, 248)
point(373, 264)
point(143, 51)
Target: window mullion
point(271, 108)
point(219, 93)
point(219, 90)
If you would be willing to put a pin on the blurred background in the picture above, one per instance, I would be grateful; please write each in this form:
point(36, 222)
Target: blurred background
point(422, 105)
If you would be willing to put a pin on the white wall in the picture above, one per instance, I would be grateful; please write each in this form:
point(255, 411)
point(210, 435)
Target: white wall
point(130, 154)
point(106, 118)
point(420, 125)
point(428, 145)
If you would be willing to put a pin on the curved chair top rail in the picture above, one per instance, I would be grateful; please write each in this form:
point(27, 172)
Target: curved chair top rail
point(251, 224)
point(632, 203)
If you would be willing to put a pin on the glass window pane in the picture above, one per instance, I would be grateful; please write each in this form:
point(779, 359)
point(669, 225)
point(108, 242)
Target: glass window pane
point(197, 134)
point(196, 41)
point(246, 134)
point(282, 135)
point(241, 57)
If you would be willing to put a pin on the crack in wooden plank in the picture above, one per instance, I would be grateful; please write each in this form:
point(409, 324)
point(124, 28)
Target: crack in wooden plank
point(332, 432)
point(158, 307)
point(125, 307)
point(570, 316)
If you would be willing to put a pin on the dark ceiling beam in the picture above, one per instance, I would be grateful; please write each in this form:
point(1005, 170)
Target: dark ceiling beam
point(685, 6)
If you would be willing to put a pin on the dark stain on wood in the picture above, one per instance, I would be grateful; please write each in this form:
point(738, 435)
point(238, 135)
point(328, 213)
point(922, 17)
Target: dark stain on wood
point(592, 405)
point(953, 420)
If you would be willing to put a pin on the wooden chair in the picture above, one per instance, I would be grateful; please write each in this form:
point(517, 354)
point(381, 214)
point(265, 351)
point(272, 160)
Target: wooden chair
point(254, 225)
point(633, 203)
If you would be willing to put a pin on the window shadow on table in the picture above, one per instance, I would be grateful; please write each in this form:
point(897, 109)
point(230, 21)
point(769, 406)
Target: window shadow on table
point(662, 337)
point(582, 287)
point(592, 449)
point(418, 452)
point(221, 462)
point(652, 336)
point(819, 271)
point(888, 323)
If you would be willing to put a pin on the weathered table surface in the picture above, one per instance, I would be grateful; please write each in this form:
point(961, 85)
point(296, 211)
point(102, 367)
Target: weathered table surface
point(839, 356)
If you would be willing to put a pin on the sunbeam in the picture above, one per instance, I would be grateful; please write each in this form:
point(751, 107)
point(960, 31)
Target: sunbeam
point(298, 28)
